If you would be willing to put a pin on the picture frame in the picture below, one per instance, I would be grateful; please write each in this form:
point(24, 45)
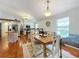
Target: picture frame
point(48, 23)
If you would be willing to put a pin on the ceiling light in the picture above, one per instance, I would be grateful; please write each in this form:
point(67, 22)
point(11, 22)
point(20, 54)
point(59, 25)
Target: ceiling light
point(47, 12)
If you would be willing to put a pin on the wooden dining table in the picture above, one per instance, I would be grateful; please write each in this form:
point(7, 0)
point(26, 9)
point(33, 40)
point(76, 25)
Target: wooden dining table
point(45, 40)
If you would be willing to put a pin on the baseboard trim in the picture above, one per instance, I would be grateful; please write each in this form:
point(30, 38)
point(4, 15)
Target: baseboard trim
point(72, 46)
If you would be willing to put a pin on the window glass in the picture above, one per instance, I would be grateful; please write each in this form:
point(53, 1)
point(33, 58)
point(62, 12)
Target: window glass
point(63, 27)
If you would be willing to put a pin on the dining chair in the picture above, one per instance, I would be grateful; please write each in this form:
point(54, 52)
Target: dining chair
point(13, 37)
point(28, 51)
point(54, 49)
point(38, 49)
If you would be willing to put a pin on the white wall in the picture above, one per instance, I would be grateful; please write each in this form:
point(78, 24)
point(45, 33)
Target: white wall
point(73, 17)
point(4, 29)
point(42, 24)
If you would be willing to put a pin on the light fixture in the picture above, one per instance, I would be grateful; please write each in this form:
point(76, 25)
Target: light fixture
point(47, 12)
point(28, 17)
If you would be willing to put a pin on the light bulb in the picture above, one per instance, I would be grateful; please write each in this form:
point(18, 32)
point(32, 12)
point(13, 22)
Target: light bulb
point(48, 13)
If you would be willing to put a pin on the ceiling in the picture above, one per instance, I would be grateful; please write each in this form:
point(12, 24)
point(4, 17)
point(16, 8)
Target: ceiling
point(36, 8)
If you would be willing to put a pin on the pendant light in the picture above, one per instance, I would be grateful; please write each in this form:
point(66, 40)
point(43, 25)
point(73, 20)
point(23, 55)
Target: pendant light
point(47, 12)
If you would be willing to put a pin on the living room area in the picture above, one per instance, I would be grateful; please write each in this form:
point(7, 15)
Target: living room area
point(39, 29)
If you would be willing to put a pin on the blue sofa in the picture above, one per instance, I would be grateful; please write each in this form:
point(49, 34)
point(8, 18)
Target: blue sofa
point(72, 40)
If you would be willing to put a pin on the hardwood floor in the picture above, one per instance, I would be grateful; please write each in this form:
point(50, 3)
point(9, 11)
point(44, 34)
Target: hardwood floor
point(14, 50)
point(71, 50)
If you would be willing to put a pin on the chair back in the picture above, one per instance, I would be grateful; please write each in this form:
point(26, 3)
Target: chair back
point(36, 47)
point(27, 50)
point(33, 42)
point(56, 47)
point(13, 37)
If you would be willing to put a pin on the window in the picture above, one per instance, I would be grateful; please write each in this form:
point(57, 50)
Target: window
point(63, 27)
point(36, 26)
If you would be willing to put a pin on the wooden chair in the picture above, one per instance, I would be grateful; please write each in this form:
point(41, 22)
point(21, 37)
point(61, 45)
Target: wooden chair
point(38, 49)
point(27, 50)
point(13, 37)
point(55, 49)
point(30, 50)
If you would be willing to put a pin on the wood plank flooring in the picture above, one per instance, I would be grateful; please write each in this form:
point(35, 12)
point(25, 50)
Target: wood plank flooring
point(71, 50)
point(14, 50)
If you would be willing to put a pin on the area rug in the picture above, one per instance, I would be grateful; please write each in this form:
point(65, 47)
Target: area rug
point(66, 54)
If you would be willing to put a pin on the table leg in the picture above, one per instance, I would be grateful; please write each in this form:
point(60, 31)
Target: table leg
point(44, 50)
point(60, 48)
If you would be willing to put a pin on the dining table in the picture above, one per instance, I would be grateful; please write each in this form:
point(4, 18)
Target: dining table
point(45, 40)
